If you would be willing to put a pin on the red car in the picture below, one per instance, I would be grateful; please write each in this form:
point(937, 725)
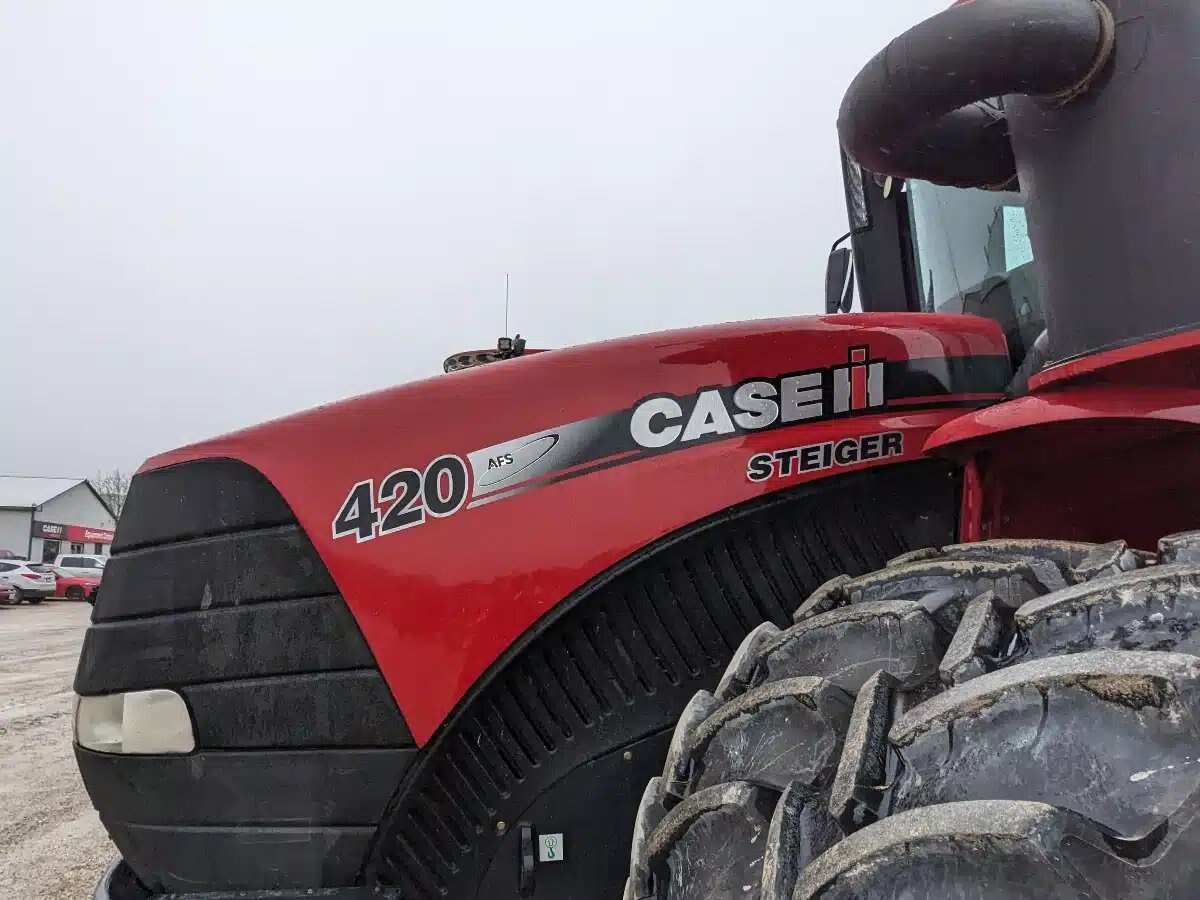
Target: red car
point(75, 587)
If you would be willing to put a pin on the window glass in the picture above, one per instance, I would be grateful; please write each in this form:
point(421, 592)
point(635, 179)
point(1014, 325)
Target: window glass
point(973, 255)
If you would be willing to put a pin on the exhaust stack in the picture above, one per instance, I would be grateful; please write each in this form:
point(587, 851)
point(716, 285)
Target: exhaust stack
point(1099, 125)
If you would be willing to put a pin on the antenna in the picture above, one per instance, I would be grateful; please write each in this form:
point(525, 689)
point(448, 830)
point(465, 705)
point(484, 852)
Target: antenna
point(507, 347)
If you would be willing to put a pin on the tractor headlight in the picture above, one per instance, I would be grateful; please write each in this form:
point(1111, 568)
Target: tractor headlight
point(135, 722)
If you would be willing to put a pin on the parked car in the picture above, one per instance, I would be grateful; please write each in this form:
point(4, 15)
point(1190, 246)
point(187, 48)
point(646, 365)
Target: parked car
point(81, 563)
point(75, 587)
point(33, 582)
point(7, 554)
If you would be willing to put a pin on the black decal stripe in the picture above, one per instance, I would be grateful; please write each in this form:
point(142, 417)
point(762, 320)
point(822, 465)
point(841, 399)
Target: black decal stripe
point(623, 458)
point(589, 445)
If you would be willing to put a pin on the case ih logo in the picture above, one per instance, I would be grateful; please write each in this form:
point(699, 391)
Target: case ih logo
point(761, 403)
point(81, 533)
point(51, 530)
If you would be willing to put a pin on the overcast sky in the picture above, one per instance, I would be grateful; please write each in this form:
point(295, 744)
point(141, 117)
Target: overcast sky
point(212, 213)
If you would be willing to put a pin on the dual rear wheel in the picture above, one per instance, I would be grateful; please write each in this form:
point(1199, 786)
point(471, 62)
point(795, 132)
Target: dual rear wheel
point(1008, 719)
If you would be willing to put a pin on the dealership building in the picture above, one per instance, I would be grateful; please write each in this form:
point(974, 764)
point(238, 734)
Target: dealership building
point(43, 517)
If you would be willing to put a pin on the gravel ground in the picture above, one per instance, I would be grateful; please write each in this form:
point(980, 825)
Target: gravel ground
point(52, 846)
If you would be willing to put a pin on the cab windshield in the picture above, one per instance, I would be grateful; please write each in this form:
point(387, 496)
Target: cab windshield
point(972, 255)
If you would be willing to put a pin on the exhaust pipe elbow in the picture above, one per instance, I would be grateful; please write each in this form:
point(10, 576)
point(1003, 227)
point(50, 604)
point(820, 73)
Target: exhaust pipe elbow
point(919, 108)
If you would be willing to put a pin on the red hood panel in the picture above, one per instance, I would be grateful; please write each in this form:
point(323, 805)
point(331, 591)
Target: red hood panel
point(506, 488)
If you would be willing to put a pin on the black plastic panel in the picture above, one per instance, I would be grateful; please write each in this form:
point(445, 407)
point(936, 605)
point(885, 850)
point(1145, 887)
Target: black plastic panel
point(597, 835)
point(277, 563)
point(289, 787)
point(187, 859)
point(214, 591)
point(326, 709)
point(299, 636)
point(210, 496)
point(618, 661)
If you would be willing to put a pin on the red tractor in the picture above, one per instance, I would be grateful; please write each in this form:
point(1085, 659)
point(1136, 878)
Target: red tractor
point(856, 606)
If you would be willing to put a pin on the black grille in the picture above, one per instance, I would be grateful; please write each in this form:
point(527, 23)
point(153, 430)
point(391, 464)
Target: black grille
point(215, 591)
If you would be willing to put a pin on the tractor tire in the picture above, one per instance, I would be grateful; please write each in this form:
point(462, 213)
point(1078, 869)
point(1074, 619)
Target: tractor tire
point(1007, 719)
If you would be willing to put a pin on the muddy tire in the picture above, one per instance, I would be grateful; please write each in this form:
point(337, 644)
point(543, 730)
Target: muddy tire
point(1008, 719)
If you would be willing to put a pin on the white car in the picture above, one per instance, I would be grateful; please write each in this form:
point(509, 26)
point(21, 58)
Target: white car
point(81, 563)
point(31, 581)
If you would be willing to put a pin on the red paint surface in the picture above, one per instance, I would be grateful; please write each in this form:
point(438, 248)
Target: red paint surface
point(87, 535)
point(970, 519)
point(439, 603)
point(974, 431)
point(1095, 481)
point(1171, 360)
point(1095, 463)
point(858, 387)
point(948, 399)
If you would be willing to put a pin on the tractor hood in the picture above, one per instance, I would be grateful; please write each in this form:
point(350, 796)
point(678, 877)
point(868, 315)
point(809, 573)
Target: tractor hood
point(511, 480)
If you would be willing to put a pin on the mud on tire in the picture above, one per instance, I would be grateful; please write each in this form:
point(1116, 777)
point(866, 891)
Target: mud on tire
point(995, 720)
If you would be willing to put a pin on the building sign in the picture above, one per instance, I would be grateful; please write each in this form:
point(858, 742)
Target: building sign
point(79, 534)
point(85, 535)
